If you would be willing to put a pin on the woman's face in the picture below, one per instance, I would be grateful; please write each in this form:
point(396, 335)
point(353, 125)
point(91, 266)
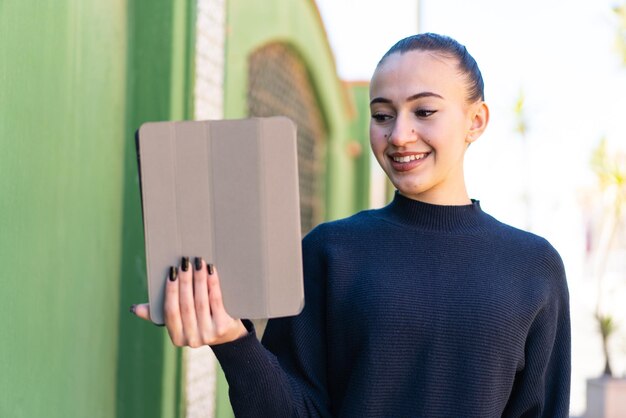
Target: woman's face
point(422, 124)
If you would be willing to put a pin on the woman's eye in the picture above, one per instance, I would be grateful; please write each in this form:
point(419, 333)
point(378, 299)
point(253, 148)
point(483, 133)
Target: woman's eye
point(424, 113)
point(380, 117)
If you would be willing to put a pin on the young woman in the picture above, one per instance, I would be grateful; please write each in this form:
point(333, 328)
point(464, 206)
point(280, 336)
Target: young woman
point(427, 307)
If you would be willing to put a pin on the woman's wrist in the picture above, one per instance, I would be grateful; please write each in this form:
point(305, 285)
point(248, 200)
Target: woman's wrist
point(242, 331)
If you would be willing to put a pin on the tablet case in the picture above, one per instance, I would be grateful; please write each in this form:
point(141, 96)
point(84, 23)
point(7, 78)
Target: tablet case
point(225, 190)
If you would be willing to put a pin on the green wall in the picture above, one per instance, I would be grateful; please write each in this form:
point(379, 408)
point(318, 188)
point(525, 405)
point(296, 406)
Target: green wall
point(359, 131)
point(77, 78)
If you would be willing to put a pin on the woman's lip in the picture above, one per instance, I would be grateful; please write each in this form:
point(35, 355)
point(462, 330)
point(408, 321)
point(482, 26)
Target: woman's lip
point(409, 165)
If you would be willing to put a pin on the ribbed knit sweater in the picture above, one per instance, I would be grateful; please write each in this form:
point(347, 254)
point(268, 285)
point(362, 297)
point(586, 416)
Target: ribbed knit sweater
point(414, 310)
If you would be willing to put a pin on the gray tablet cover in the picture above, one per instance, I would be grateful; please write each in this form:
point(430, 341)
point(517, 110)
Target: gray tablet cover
point(227, 191)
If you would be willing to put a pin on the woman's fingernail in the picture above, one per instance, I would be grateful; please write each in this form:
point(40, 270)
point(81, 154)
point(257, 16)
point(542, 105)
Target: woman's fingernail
point(132, 308)
point(209, 267)
point(173, 273)
point(198, 263)
point(185, 263)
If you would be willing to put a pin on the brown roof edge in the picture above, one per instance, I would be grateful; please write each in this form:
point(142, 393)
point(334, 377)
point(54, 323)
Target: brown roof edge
point(357, 82)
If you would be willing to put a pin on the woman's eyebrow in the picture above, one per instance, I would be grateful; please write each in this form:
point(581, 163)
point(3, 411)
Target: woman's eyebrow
point(408, 99)
point(380, 100)
point(423, 94)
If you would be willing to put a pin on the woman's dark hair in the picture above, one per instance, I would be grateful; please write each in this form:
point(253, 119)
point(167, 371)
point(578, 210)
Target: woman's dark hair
point(449, 48)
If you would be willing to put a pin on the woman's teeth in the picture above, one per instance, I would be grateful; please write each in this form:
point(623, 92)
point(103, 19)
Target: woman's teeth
point(408, 158)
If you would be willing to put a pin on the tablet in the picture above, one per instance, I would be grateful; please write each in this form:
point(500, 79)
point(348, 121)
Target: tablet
point(227, 191)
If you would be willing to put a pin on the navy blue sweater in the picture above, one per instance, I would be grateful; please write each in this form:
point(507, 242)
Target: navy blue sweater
point(414, 310)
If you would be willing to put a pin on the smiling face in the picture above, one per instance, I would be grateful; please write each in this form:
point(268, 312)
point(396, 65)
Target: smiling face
point(422, 124)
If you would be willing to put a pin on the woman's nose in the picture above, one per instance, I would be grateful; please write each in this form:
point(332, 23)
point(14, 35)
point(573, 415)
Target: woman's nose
point(403, 132)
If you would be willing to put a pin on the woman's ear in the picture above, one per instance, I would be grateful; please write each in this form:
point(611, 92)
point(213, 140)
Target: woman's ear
point(480, 118)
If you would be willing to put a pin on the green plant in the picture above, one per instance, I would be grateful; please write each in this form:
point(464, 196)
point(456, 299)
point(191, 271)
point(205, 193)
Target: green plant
point(607, 328)
point(610, 171)
point(521, 125)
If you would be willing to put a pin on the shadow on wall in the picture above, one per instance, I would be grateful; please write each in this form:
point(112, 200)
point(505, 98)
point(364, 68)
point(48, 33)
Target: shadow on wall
point(148, 367)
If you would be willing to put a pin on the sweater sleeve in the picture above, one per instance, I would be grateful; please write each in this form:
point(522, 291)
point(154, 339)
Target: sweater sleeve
point(542, 387)
point(286, 375)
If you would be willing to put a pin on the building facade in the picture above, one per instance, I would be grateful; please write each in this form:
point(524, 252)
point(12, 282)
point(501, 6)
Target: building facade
point(77, 78)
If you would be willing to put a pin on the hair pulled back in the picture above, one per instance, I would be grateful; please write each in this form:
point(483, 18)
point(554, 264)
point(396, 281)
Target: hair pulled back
point(447, 47)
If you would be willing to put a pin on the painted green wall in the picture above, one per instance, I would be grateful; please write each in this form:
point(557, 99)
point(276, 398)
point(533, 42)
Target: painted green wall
point(77, 77)
point(359, 133)
point(159, 78)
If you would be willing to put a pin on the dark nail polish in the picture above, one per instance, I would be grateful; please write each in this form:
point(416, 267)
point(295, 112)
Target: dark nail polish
point(198, 263)
point(173, 273)
point(185, 263)
point(210, 268)
point(132, 308)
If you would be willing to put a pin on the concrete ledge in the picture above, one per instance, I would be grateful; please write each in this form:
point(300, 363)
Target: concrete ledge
point(606, 398)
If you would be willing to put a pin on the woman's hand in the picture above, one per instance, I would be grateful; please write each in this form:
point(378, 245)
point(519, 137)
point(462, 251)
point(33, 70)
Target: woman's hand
point(193, 308)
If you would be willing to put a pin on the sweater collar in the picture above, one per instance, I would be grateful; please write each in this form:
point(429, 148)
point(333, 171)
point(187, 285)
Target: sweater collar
point(413, 213)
